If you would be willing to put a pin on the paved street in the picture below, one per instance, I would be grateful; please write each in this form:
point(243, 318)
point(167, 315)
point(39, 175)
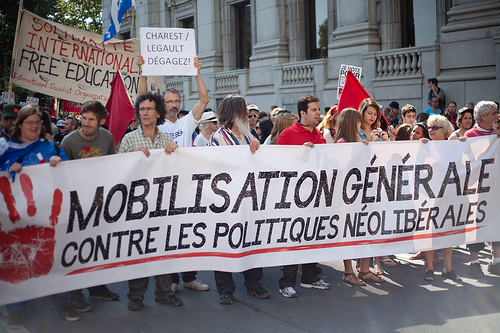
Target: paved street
point(405, 303)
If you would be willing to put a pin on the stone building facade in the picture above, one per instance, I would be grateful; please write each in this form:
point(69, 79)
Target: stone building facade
point(267, 50)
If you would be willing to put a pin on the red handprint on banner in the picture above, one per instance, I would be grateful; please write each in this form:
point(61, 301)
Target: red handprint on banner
point(26, 252)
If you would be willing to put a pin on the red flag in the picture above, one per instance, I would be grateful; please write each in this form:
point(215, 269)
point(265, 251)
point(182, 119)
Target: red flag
point(120, 108)
point(352, 94)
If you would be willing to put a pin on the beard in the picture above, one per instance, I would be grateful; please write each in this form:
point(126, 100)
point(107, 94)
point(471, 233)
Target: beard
point(173, 112)
point(242, 125)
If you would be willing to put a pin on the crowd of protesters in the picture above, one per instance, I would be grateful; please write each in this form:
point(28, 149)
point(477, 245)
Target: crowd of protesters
point(160, 124)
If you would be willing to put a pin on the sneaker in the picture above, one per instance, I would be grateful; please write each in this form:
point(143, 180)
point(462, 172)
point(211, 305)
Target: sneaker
point(259, 293)
point(476, 271)
point(169, 300)
point(196, 285)
point(174, 287)
point(14, 320)
point(289, 292)
point(69, 313)
point(226, 298)
point(135, 305)
point(104, 294)
point(320, 284)
point(450, 275)
point(494, 269)
point(80, 304)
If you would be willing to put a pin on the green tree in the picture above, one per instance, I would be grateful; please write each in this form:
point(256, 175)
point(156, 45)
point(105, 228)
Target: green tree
point(323, 39)
point(81, 14)
point(8, 19)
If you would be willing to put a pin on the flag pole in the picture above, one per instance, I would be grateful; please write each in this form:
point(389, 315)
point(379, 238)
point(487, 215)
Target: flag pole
point(14, 51)
point(137, 35)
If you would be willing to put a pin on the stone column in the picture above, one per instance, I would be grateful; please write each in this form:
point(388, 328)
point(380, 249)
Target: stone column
point(271, 44)
point(208, 25)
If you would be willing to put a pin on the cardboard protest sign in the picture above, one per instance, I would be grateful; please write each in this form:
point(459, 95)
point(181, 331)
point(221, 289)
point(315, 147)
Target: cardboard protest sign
point(70, 63)
point(5, 97)
point(128, 216)
point(343, 74)
point(32, 100)
point(168, 51)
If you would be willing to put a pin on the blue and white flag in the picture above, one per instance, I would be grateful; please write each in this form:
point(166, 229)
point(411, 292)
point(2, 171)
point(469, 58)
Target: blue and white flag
point(118, 8)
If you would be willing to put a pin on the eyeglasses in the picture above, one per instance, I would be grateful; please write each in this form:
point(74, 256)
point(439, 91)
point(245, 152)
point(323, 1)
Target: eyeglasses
point(173, 102)
point(31, 123)
point(434, 127)
point(253, 115)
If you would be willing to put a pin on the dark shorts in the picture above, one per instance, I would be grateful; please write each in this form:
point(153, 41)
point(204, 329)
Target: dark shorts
point(476, 247)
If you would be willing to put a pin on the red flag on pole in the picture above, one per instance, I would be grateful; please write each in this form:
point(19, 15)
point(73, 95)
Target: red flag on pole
point(352, 94)
point(120, 108)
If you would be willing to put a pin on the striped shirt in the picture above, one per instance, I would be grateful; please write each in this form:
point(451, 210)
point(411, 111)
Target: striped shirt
point(225, 137)
point(137, 138)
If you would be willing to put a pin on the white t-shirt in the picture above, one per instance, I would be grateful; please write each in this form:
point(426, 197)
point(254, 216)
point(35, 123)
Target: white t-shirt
point(181, 130)
point(200, 141)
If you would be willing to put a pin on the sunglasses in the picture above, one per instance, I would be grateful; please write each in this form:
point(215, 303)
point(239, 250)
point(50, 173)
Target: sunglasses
point(253, 116)
point(434, 127)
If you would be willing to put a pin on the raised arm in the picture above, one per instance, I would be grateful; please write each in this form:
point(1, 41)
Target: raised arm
point(203, 97)
point(143, 81)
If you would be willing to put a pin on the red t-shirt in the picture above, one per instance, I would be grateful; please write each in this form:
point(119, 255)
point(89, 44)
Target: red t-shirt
point(298, 135)
point(477, 131)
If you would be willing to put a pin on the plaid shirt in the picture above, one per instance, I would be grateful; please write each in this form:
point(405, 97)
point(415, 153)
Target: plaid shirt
point(137, 138)
point(225, 137)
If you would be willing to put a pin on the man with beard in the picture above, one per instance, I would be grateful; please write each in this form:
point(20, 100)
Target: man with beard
point(180, 129)
point(303, 132)
point(235, 130)
point(70, 124)
point(90, 140)
point(149, 108)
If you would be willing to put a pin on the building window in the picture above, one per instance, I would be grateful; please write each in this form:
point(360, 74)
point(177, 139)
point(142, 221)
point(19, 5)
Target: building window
point(187, 22)
point(407, 24)
point(243, 34)
point(316, 28)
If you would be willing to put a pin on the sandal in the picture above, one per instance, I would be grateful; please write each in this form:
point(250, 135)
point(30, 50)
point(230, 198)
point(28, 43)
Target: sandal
point(429, 275)
point(351, 278)
point(418, 256)
point(451, 275)
point(377, 268)
point(389, 263)
point(370, 277)
point(436, 261)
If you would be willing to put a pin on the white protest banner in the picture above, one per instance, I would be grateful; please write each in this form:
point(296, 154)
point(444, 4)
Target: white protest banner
point(70, 63)
point(168, 51)
point(343, 74)
point(221, 208)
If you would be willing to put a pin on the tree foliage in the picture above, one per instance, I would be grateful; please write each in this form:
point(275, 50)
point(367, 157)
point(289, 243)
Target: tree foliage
point(323, 39)
point(81, 14)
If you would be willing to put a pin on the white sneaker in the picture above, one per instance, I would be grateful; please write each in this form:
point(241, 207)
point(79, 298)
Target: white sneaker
point(174, 287)
point(322, 285)
point(289, 292)
point(196, 285)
